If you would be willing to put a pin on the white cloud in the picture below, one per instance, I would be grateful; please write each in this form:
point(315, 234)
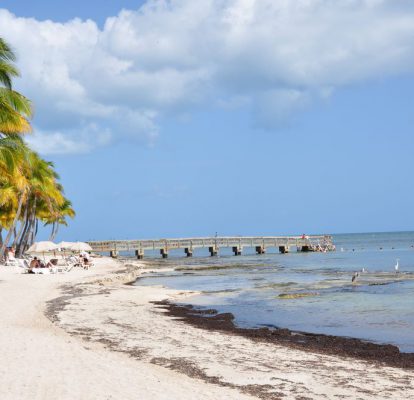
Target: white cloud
point(69, 142)
point(170, 56)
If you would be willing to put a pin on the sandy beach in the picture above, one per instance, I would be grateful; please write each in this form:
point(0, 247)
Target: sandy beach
point(86, 335)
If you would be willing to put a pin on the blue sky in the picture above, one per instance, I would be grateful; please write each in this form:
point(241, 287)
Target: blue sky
point(63, 10)
point(258, 136)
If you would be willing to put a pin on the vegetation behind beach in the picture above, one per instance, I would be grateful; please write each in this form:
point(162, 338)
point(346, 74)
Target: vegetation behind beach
point(30, 191)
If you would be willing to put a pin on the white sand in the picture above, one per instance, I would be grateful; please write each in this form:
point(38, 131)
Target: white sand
point(40, 360)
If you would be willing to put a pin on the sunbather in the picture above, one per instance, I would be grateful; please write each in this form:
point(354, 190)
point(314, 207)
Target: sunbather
point(35, 263)
point(84, 254)
point(51, 263)
point(9, 256)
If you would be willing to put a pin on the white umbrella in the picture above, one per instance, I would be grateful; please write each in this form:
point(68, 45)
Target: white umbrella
point(65, 245)
point(80, 246)
point(42, 247)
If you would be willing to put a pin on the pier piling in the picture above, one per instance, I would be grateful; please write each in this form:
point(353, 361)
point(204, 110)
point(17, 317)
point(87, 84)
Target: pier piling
point(284, 249)
point(113, 254)
point(139, 254)
point(237, 250)
point(260, 250)
point(213, 250)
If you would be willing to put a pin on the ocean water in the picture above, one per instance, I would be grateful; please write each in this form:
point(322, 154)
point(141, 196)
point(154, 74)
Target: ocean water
point(309, 292)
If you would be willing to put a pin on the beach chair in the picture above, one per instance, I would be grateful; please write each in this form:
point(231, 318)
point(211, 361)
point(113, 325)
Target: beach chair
point(69, 267)
point(65, 267)
point(23, 264)
point(72, 259)
point(44, 271)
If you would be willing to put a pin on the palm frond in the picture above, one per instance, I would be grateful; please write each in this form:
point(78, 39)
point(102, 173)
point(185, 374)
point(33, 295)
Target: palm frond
point(6, 52)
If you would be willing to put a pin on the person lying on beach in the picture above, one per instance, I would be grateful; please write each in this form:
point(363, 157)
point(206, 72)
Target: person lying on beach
point(51, 263)
point(35, 263)
point(84, 254)
point(85, 262)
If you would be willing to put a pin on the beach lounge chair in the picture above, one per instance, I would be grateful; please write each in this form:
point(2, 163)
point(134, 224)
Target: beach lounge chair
point(23, 264)
point(44, 271)
point(64, 267)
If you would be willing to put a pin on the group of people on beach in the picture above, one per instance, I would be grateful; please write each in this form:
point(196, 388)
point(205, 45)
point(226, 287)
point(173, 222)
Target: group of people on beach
point(83, 260)
point(36, 263)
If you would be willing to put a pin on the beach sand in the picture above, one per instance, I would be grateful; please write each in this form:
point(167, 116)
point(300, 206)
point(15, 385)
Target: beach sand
point(85, 335)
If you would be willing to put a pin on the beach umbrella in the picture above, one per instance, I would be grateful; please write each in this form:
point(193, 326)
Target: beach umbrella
point(42, 247)
point(65, 245)
point(80, 246)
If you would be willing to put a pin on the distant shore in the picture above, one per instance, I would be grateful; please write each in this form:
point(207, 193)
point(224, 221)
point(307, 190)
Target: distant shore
point(131, 320)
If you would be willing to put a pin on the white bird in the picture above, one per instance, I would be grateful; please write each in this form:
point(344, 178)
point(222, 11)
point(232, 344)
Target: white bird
point(363, 270)
point(397, 266)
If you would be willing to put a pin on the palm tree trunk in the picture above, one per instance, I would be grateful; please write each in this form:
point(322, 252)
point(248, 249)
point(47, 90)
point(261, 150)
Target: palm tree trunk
point(30, 231)
point(55, 232)
point(23, 234)
point(52, 233)
point(28, 234)
point(33, 232)
point(22, 225)
point(10, 232)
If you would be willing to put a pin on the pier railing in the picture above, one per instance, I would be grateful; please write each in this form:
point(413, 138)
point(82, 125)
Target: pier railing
point(283, 243)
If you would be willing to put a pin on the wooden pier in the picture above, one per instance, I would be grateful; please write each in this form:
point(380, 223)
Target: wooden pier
point(283, 243)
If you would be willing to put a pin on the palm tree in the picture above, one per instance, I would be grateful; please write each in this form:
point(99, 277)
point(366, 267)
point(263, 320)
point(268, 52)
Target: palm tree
point(29, 187)
point(58, 217)
point(41, 194)
point(15, 109)
point(13, 183)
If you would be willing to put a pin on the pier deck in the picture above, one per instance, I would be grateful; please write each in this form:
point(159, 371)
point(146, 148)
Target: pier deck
point(214, 244)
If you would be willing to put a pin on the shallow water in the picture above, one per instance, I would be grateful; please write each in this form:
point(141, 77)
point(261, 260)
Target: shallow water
point(309, 292)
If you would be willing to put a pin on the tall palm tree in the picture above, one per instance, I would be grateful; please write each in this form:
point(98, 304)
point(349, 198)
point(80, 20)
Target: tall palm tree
point(58, 217)
point(41, 193)
point(13, 183)
point(15, 109)
point(29, 187)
